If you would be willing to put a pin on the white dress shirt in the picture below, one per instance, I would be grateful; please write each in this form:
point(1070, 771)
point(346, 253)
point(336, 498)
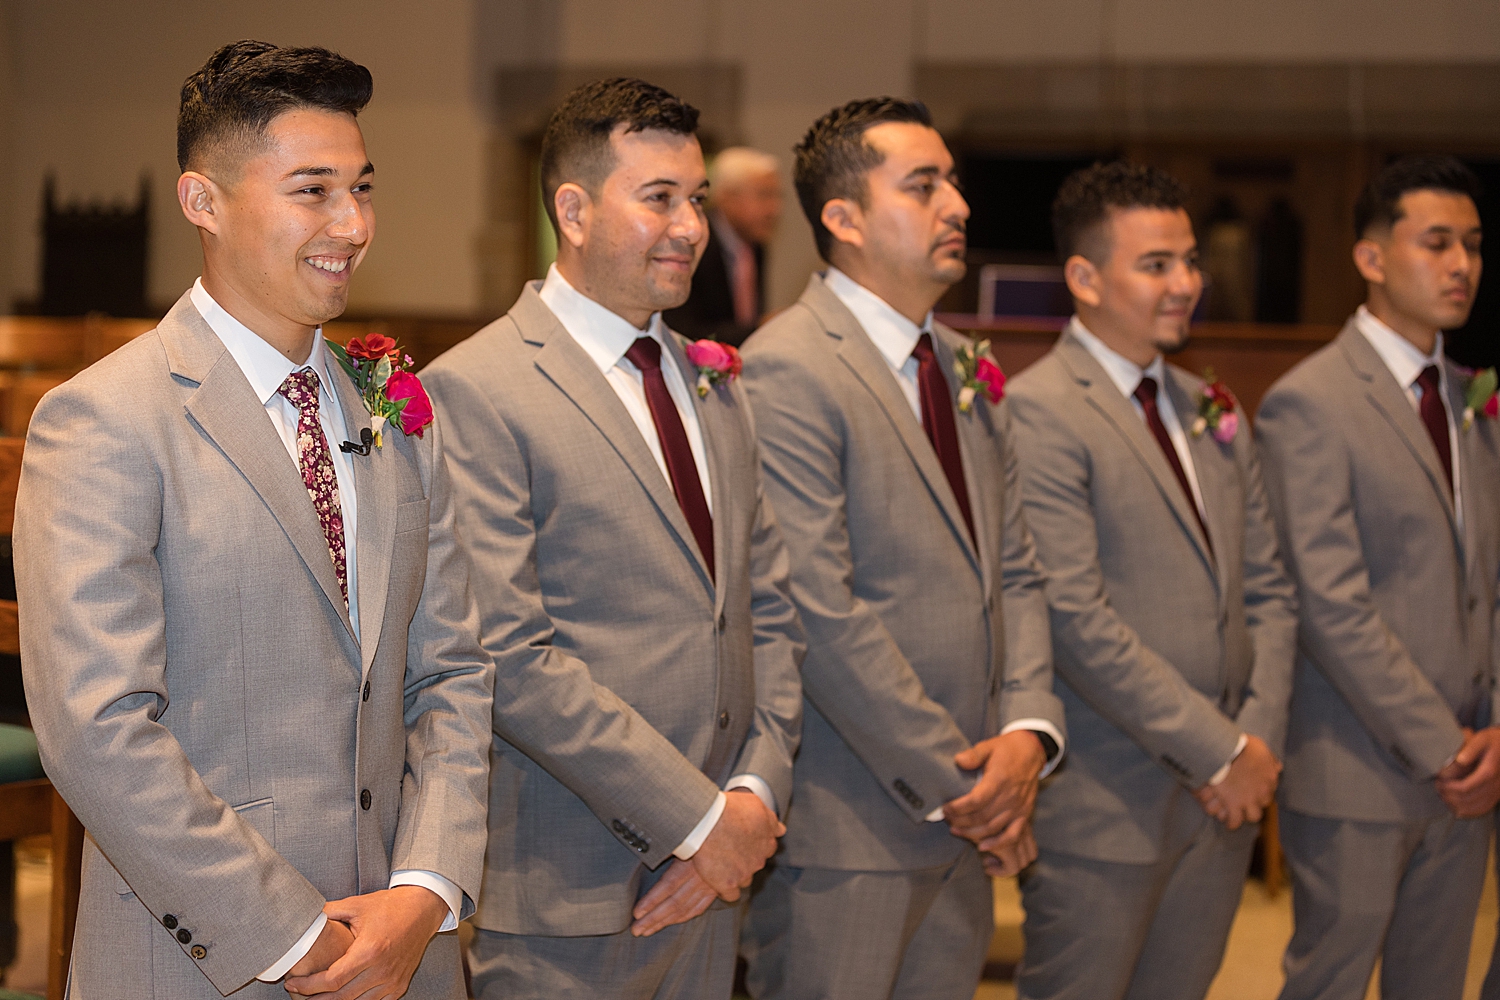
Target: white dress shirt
point(605, 336)
point(895, 337)
point(1127, 375)
point(266, 368)
point(1406, 363)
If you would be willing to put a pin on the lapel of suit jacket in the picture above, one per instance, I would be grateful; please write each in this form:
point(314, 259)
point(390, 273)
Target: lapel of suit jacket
point(1390, 401)
point(226, 409)
point(375, 499)
point(1105, 397)
point(1208, 464)
point(869, 366)
point(715, 436)
point(569, 367)
point(1467, 461)
point(973, 437)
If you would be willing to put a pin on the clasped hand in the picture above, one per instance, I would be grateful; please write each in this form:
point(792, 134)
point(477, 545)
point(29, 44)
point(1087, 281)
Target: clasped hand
point(996, 813)
point(371, 946)
point(733, 852)
point(1246, 793)
point(1470, 785)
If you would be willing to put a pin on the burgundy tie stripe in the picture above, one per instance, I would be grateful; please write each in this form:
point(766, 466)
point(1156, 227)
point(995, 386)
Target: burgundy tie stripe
point(937, 421)
point(1435, 419)
point(1145, 394)
point(645, 354)
point(316, 463)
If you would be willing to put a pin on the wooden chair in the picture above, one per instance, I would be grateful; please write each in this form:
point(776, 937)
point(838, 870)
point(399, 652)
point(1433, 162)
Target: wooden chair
point(33, 807)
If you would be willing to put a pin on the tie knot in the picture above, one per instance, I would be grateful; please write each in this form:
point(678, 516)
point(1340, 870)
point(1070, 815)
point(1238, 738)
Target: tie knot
point(1145, 391)
point(301, 389)
point(923, 351)
point(1428, 379)
point(645, 354)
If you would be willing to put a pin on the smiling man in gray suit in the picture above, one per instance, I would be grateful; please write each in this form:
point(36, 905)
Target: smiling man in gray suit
point(1173, 620)
point(252, 659)
point(1387, 496)
point(930, 711)
point(632, 584)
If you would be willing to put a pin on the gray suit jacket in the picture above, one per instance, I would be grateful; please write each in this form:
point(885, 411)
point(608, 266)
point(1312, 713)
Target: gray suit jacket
point(1166, 651)
point(920, 642)
point(632, 685)
point(199, 696)
point(1397, 605)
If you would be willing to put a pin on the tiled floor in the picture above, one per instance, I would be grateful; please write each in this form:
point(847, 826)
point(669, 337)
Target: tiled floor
point(1252, 964)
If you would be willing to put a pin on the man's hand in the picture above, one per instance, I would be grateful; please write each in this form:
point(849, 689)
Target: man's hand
point(1244, 795)
point(738, 845)
point(330, 946)
point(1011, 851)
point(677, 897)
point(1005, 792)
point(391, 930)
point(1470, 786)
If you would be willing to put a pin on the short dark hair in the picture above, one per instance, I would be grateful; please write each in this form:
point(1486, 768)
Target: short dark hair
point(1084, 201)
point(1379, 204)
point(833, 157)
point(246, 84)
point(576, 147)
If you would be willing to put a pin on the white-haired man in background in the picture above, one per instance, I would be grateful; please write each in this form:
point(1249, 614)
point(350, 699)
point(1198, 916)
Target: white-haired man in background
point(728, 297)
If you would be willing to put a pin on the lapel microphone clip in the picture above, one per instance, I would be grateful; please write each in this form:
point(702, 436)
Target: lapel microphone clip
point(366, 437)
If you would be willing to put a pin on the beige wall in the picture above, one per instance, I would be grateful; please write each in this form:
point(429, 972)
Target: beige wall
point(95, 86)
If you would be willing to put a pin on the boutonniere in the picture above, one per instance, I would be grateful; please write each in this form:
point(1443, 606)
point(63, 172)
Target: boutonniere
point(1480, 398)
point(718, 364)
point(391, 393)
point(1218, 411)
point(979, 374)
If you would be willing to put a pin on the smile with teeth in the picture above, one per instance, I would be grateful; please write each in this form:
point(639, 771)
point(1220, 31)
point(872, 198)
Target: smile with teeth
point(334, 265)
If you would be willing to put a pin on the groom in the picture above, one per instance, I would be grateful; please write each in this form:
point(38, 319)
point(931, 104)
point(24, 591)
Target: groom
point(251, 656)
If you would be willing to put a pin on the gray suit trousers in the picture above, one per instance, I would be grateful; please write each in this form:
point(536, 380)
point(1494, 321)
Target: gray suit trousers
point(1405, 893)
point(1100, 930)
point(823, 934)
point(691, 961)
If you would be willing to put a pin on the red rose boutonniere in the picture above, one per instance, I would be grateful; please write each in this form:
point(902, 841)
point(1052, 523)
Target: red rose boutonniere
point(1480, 398)
point(980, 375)
point(718, 364)
point(1218, 411)
point(389, 390)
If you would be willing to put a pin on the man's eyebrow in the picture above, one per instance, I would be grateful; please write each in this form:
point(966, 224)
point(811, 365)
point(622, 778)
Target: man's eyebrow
point(928, 171)
point(309, 171)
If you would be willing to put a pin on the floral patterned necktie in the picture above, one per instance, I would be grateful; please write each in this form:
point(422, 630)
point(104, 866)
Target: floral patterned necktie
point(316, 462)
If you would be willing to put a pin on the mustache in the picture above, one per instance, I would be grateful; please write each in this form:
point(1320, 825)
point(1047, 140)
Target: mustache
point(960, 230)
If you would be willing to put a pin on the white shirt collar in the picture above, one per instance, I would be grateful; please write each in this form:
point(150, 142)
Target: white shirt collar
point(604, 335)
point(264, 366)
point(1123, 372)
point(1399, 354)
point(894, 336)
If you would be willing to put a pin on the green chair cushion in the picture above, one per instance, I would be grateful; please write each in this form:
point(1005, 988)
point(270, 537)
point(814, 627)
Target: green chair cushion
point(6, 994)
point(19, 760)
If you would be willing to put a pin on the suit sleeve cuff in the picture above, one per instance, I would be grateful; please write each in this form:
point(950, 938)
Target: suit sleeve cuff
point(445, 890)
point(756, 784)
point(294, 954)
point(1223, 772)
point(689, 847)
point(1052, 733)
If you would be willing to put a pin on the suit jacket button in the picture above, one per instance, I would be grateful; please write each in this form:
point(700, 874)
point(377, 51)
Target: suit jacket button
point(618, 826)
point(365, 694)
point(169, 922)
point(185, 935)
point(723, 720)
point(642, 845)
point(199, 952)
point(364, 799)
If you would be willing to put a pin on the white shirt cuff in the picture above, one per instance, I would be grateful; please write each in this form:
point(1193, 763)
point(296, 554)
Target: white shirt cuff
point(446, 891)
point(1223, 772)
point(1042, 726)
point(689, 847)
point(756, 784)
point(294, 954)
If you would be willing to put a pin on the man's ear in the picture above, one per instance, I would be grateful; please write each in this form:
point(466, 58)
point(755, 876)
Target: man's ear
point(1084, 281)
point(1369, 259)
point(199, 198)
point(845, 220)
point(574, 207)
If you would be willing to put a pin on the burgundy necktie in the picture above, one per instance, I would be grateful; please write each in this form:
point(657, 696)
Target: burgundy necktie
point(937, 421)
point(1145, 394)
point(645, 354)
point(316, 463)
point(1435, 417)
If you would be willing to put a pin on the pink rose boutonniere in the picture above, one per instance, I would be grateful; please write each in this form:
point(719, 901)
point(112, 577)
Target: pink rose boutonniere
point(1480, 398)
point(981, 376)
point(718, 364)
point(1218, 410)
point(391, 393)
